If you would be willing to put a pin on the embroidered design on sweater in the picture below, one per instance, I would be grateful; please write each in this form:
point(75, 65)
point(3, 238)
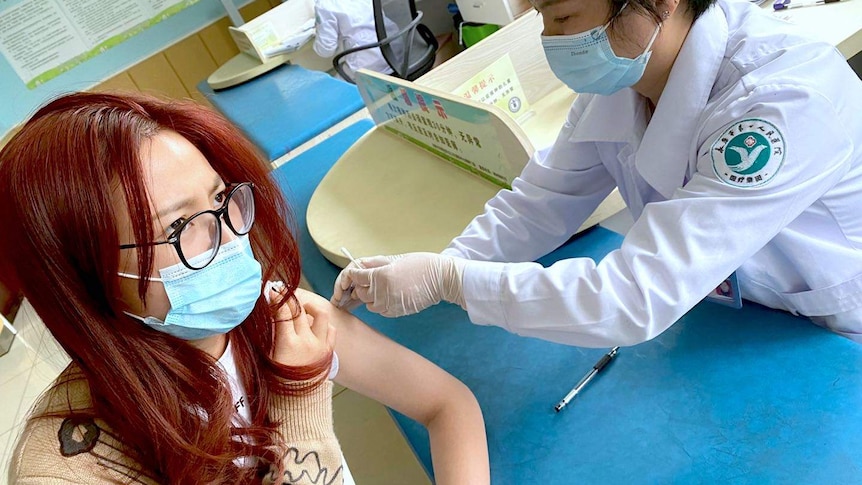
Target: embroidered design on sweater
point(81, 435)
point(77, 436)
point(307, 470)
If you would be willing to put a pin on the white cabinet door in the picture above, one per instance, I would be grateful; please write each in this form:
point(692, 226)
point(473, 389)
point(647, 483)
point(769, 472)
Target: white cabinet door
point(499, 12)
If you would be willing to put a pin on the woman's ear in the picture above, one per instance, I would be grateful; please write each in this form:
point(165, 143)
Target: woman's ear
point(666, 8)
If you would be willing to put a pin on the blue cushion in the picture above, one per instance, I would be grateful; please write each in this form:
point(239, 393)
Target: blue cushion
point(743, 396)
point(286, 107)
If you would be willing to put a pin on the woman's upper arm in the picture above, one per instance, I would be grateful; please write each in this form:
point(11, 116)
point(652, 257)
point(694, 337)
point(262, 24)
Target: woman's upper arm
point(375, 366)
point(390, 373)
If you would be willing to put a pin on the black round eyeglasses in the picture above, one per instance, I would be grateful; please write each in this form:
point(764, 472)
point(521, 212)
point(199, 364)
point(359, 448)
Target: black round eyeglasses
point(198, 238)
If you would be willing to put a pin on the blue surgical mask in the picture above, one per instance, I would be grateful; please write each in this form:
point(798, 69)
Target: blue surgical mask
point(209, 301)
point(586, 62)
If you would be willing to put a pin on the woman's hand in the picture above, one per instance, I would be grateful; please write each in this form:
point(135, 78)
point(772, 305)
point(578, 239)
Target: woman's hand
point(307, 337)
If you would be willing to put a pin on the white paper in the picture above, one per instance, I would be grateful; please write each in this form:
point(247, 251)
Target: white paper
point(42, 38)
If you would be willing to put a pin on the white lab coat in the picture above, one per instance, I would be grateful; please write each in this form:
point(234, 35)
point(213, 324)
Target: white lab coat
point(345, 24)
point(795, 240)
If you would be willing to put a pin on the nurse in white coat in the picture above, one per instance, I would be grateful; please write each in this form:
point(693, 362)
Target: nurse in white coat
point(737, 146)
point(345, 24)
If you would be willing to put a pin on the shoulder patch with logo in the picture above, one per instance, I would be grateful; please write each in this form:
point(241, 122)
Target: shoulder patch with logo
point(748, 154)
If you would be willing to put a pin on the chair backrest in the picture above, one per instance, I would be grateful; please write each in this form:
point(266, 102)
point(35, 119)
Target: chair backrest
point(408, 46)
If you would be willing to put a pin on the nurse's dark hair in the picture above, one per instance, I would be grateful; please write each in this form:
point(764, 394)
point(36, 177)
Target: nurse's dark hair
point(60, 176)
point(695, 8)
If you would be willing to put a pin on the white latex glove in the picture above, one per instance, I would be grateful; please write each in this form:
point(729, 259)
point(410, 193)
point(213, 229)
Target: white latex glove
point(404, 284)
point(342, 297)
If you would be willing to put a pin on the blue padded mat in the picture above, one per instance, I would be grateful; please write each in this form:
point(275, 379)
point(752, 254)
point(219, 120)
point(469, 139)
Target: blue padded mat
point(739, 396)
point(286, 107)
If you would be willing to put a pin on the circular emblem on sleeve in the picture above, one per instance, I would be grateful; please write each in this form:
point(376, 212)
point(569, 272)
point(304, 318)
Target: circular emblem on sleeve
point(748, 154)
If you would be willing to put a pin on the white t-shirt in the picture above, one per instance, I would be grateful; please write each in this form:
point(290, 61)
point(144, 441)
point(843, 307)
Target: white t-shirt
point(240, 398)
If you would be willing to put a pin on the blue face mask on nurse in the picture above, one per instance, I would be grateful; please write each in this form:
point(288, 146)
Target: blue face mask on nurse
point(586, 60)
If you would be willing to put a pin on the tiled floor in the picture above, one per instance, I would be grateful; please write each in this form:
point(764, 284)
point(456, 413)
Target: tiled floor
point(374, 448)
point(33, 361)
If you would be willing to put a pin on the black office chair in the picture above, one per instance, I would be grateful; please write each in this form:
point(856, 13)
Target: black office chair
point(397, 23)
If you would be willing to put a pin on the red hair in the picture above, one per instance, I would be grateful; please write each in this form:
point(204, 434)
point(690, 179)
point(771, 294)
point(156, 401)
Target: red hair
point(61, 247)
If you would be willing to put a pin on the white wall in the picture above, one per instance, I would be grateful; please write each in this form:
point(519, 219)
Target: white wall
point(436, 16)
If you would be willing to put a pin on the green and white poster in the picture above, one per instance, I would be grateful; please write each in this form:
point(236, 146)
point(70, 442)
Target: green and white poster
point(41, 39)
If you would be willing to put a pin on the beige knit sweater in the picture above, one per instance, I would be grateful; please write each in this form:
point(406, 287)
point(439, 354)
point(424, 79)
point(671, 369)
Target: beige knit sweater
point(63, 451)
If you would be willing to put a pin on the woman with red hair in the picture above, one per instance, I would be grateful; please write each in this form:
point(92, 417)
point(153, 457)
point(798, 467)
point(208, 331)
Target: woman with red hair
point(142, 231)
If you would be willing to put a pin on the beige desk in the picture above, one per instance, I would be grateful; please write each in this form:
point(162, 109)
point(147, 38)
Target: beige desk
point(499, 12)
point(243, 67)
point(839, 23)
point(287, 17)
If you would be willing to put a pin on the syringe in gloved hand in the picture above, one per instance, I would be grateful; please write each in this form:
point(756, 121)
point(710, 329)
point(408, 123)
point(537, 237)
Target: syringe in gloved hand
point(345, 297)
